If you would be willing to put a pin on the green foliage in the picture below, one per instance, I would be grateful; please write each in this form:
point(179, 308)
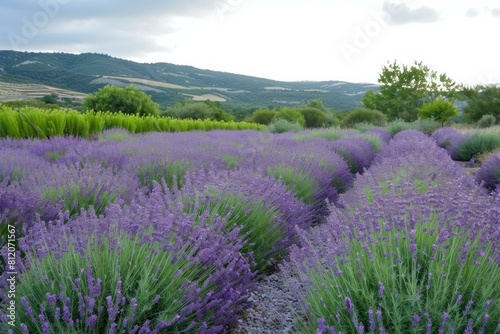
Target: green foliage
point(297, 181)
point(262, 116)
point(129, 100)
point(486, 121)
point(482, 100)
point(439, 110)
point(130, 270)
point(363, 127)
point(363, 115)
point(49, 99)
point(291, 115)
point(173, 173)
point(41, 123)
point(188, 109)
point(475, 144)
point(329, 134)
point(403, 90)
point(374, 140)
point(19, 104)
point(256, 220)
point(407, 273)
point(314, 117)
point(427, 126)
point(282, 125)
point(75, 198)
point(332, 118)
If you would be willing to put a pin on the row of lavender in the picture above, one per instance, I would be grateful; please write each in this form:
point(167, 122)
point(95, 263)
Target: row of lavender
point(468, 147)
point(412, 247)
point(164, 231)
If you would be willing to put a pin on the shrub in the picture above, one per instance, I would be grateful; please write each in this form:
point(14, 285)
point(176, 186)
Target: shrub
point(129, 100)
point(475, 144)
point(292, 115)
point(402, 282)
point(363, 115)
point(448, 138)
point(486, 121)
point(282, 125)
point(315, 118)
point(329, 134)
point(363, 127)
point(489, 173)
point(426, 126)
point(172, 173)
point(439, 110)
point(262, 116)
point(396, 126)
point(115, 286)
point(383, 134)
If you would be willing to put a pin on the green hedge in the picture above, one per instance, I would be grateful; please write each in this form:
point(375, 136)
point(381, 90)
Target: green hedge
point(39, 123)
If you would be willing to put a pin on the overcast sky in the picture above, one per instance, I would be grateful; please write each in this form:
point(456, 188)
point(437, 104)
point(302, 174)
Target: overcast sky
point(286, 40)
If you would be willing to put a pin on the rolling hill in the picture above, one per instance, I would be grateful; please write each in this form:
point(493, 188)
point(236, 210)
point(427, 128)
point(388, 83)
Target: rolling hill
point(168, 83)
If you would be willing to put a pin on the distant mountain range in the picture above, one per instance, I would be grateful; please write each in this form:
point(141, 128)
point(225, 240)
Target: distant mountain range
point(166, 83)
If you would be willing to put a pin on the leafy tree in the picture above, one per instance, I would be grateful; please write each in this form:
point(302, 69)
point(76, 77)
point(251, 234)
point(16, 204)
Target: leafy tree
point(315, 118)
point(440, 110)
point(405, 89)
point(363, 115)
point(262, 116)
point(291, 115)
point(129, 100)
point(482, 100)
point(317, 103)
point(188, 109)
point(49, 99)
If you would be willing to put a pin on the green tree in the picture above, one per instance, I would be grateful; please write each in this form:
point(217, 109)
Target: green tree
point(482, 100)
point(315, 118)
point(263, 116)
point(188, 109)
point(317, 103)
point(440, 110)
point(49, 99)
point(405, 89)
point(363, 115)
point(129, 100)
point(291, 115)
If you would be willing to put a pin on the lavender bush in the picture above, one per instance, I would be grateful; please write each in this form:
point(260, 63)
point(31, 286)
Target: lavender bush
point(489, 173)
point(448, 138)
point(263, 210)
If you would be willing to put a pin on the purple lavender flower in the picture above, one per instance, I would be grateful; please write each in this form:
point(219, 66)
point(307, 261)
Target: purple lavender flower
point(45, 325)
point(91, 321)
point(468, 307)
point(67, 317)
point(27, 307)
point(416, 320)
point(348, 304)
point(489, 173)
point(468, 330)
point(381, 289)
point(371, 320)
point(321, 326)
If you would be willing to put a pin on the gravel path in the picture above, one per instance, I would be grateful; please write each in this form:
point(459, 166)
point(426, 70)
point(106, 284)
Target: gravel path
point(271, 312)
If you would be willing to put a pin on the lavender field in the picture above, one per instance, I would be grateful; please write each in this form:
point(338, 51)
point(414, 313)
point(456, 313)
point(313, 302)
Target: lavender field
point(171, 232)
